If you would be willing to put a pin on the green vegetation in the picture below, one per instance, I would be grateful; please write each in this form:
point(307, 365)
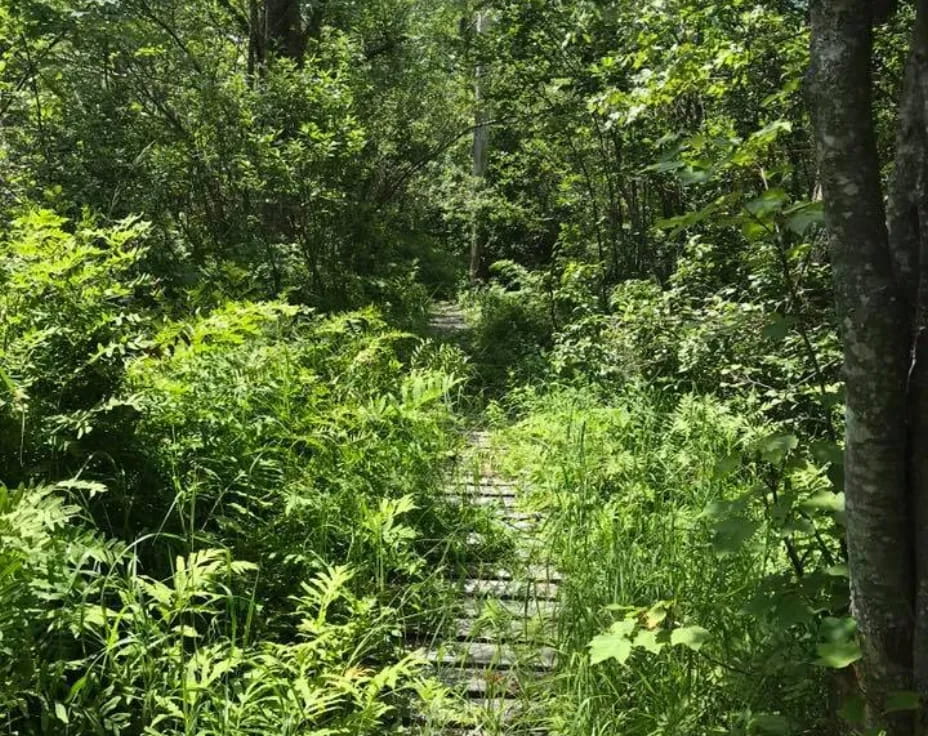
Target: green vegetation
point(667, 519)
point(226, 422)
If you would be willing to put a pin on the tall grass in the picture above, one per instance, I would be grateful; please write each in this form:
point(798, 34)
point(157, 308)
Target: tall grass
point(640, 493)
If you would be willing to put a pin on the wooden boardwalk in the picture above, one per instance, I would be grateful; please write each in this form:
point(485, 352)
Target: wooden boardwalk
point(496, 650)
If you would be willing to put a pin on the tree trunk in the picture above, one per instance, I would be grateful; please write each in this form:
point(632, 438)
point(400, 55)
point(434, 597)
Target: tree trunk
point(478, 264)
point(277, 30)
point(881, 293)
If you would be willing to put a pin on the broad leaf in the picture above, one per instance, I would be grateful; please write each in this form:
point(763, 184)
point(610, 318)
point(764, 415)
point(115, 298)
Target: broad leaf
point(825, 501)
point(692, 637)
point(775, 447)
point(731, 534)
point(610, 646)
point(771, 723)
point(838, 654)
point(801, 217)
point(647, 639)
point(902, 700)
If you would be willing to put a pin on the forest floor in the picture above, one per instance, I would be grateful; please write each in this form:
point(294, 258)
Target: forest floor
point(495, 650)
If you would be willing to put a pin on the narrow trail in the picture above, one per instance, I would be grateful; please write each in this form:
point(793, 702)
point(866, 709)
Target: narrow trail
point(496, 654)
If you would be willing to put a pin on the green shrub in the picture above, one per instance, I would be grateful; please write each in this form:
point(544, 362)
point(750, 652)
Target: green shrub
point(511, 321)
point(71, 316)
point(48, 560)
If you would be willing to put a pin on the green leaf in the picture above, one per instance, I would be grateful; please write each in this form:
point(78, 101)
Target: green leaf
point(790, 609)
point(731, 534)
point(625, 627)
point(665, 165)
point(825, 501)
point(61, 713)
point(803, 216)
point(610, 646)
point(681, 222)
point(775, 447)
point(853, 710)
point(767, 203)
point(771, 131)
point(6, 381)
point(656, 614)
point(771, 723)
point(838, 654)
point(827, 451)
point(692, 637)
point(797, 526)
point(726, 465)
point(837, 629)
point(778, 327)
point(901, 701)
point(647, 639)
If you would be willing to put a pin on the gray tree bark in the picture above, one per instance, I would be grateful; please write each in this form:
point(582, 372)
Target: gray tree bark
point(478, 265)
point(880, 268)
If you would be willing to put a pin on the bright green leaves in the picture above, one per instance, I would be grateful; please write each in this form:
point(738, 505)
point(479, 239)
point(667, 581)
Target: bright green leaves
point(646, 629)
point(691, 637)
point(826, 501)
point(839, 647)
point(647, 639)
point(615, 644)
point(837, 655)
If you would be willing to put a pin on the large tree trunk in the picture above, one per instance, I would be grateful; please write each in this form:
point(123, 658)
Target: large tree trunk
point(880, 293)
point(278, 30)
point(478, 264)
point(284, 28)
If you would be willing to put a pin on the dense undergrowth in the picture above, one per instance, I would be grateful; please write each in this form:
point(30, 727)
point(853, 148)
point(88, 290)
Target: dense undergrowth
point(230, 523)
point(690, 485)
point(244, 525)
point(667, 519)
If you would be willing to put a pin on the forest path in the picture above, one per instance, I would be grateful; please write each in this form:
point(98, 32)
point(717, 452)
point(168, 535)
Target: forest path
point(494, 651)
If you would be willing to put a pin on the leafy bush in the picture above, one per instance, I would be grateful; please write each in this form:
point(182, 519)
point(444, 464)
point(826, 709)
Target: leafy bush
point(48, 560)
point(512, 325)
point(259, 432)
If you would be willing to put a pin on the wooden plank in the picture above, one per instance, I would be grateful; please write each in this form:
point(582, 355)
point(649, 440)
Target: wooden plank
point(517, 608)
point(530, 630)
point(479, 683)
point(528, 572)
point(483, 488)
point(491, 655)
point(475, 500)
point(506, 589)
